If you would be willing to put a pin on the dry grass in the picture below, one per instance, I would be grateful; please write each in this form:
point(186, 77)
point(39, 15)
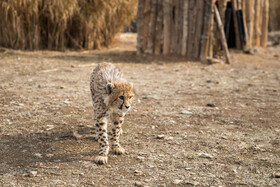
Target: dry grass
point(60, 24)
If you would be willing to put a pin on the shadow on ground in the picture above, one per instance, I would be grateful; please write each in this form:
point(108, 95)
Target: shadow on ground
point(25, 151)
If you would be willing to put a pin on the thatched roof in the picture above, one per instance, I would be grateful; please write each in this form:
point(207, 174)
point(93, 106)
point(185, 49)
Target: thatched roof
point(60, 24)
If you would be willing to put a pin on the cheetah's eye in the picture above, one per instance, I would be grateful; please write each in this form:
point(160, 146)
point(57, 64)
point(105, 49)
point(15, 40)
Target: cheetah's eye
point(121, 97)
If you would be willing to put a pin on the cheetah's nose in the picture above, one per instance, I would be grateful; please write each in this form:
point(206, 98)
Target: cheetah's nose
point(127, 107)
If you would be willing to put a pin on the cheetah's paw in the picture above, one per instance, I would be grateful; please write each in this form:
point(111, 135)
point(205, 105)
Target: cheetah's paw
point(101, 159)
point(119, 150)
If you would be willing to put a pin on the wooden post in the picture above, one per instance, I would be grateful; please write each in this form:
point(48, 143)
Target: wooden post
point(222, 33)
point(257, 23)
point(205, 34)
point(191, 31)
point(198, 30)
point(166, 23)
point(211, 31)
point(235, 20)
point(159, 29)
point(152, 28)
point(265, 23)
point(185, 28)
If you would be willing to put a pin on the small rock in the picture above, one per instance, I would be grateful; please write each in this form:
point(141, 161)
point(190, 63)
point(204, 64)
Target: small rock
point(194, 183)
point(140, 158)
point(205, 155)
point(33, 173)
point(142, 154)
point(49, 155)
point(188, 169)
point(160, 136)
point(61, 87)
point(153, 127)
point(91, 183)
point(138, 184)
point(67, 101)
point(11, 184)
point(138, 172)
point(20, 104)
point(208, 80)
point(186, 112)
point(49, 127)
point(169, 138)
point(30, 173)
point(177, 181)
point(145, 97)
point(210, 105)
point(39, 155)
point(276, 175)
point(59, 181)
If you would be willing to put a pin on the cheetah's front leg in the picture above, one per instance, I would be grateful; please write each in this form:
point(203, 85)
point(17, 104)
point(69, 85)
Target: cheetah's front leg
point(116, 132)
point(101, 127)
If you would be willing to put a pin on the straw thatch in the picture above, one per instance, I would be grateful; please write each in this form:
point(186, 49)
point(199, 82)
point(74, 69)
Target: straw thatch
point(60, 24)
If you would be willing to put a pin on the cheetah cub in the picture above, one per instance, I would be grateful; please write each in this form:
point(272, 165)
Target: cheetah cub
point(112, 96)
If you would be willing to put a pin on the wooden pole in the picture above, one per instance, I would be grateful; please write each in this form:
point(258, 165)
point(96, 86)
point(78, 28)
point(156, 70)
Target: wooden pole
point(152, 28)
point(185, 28)
point(211, 31)
point(166, 23)
point(265, 23)
point(191, 31)
point(198, 31)
point(235, 20)
point(159, 29)
point(257, 23)
point(205, 34)
point(222, 33)
point(139, 27)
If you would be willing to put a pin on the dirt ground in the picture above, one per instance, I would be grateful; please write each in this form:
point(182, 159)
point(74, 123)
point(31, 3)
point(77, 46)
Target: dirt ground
point(191, 124)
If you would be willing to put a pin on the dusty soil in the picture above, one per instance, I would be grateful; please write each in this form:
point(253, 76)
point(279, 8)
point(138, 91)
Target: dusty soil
point(220, 123)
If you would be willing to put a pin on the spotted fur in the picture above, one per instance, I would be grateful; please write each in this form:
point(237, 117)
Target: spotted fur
point(112, 97)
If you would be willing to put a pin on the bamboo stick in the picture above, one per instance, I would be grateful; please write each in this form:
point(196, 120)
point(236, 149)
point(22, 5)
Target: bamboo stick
point(222, 33)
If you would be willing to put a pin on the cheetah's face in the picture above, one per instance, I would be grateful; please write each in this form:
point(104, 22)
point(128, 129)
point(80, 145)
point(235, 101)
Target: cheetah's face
point(121, 96)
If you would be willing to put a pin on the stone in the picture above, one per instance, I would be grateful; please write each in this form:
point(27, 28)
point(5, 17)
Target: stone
point(138, 172)
point(138, 184)
point(210, 105)
point(160, 136)
point(177, 181)
point(186, 112)
point(39, 155)
point(91, 183)
point(205, 155)
point(276, 175)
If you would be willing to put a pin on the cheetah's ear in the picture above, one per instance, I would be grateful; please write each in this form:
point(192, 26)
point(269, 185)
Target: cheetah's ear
point(110, 88)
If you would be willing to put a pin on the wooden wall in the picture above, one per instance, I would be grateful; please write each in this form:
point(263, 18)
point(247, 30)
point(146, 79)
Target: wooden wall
point(188, 27)
point(172, 27)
